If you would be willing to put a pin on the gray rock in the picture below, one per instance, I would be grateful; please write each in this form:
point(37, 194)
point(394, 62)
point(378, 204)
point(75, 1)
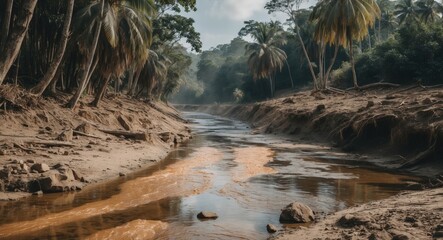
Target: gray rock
point(271, 228)
point(40, 167)
point(207, 215)
point(350, 220)
point(297, 213)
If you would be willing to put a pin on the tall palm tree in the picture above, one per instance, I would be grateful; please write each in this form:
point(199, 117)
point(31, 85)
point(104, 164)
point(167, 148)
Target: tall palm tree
point(429, 10)
point(342, 21)
point(406, 11)
point(50, 73)
point(15, 38)
point(265, 57)
point(125, 33)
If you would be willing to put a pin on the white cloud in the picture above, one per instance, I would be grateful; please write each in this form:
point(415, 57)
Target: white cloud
point(237, 10)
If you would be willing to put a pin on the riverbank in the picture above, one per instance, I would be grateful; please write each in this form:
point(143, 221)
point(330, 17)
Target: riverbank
point(398, 129)
point(45, 147)
point(414, 215)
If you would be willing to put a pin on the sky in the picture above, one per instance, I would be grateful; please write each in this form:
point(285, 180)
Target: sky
point(219, 21)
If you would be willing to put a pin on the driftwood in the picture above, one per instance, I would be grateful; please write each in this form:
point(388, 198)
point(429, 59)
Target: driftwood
point(85, 134)
point(28, 150)
point(127, 134)
point(51, 143)
point(374, 85)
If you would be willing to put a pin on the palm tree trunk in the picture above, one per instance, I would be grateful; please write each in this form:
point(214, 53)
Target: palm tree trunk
point(321, 79)
point(351, 56)
point(270, 82)
point(135, 83)
point(331, 64)
point(99, 94)
point(6, 23)
point(90, 59)
point(290, 74)
point(311, 69)
point(44, 83)
point(379, 30)
point(15, 38)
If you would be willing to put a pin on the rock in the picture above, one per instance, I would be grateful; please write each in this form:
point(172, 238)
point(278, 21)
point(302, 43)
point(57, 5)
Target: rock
point(38, 193)
point(2, 186)
point(438, 234)
point(30, 161)
point(288, 101)
point(66, 135)
point(349, 220)
point(3, 152)
point(400, 235)
point(271, 228)
point(121, 174)
point(415, 187)
point(5, 173)
point(207, 215)
point(410, 219)
point(25, 168)
point(382, 235)
point(166, 136)
point(439, 227)
point(320, 108)
point(296, 213)
point(85, 128)
point(124, 122)
point(427, 101)
point(40, 167)
point(47, 128)
point(370, 104)
point(66, 174)
point(51, 184)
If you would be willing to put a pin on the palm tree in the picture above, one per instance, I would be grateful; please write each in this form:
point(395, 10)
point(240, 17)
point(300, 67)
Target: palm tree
point(50, 73)
point(124, 31)
point(342, 21)
point(429, 10)
point(265, 58)
point(406, 11)
point(15, 38)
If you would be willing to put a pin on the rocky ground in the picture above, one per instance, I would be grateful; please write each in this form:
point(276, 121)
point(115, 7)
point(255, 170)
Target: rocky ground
point(46, 148)
point(414, 215)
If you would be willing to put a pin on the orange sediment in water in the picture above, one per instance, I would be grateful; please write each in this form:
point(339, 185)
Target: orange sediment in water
point(138, 229)
point(252, 161)
point(179, 179)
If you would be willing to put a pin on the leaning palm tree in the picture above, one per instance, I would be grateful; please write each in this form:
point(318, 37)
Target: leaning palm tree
point(342, 21)
point(265, 56)
point(124, 31)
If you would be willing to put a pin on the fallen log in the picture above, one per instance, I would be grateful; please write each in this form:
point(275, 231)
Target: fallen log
point(85, 134)
point(51, 143)
point(127, 134)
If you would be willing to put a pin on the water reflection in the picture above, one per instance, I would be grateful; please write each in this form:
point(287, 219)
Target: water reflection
point(246, 178)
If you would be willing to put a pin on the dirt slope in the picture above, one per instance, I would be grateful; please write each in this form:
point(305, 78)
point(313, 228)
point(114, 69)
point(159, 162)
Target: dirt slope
point(405, 127)
point(36, 132)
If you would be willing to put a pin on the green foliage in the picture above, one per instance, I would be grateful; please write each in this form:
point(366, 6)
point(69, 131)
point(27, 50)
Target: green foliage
point(415, 53)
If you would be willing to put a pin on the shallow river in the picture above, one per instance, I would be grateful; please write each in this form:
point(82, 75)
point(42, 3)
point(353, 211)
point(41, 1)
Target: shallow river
point(245, 178)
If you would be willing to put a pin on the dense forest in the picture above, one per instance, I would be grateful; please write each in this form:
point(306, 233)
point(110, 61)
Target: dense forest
point(90, 47)
point(134, 47)
point(389, 42)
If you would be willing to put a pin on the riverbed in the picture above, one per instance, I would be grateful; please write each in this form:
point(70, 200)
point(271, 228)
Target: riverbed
point(246, 178)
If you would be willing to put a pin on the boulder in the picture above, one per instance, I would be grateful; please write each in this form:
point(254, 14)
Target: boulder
point(271, 228)
point(297, 213)
point(51, 183)
point(85, 128)
point(207, 215)
point(66, 136)
point(40, 167)
point(350, 220)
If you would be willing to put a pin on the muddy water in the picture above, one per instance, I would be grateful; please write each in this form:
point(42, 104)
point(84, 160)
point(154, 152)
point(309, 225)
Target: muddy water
point(245, 178)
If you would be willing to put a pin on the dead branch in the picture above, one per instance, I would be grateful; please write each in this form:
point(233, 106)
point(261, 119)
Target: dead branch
point(51, 143)
point(127, 134)
point(85, 134)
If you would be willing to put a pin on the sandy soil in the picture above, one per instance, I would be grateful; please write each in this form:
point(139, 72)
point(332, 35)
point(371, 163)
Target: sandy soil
point(415, 215)
point(29, 123)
